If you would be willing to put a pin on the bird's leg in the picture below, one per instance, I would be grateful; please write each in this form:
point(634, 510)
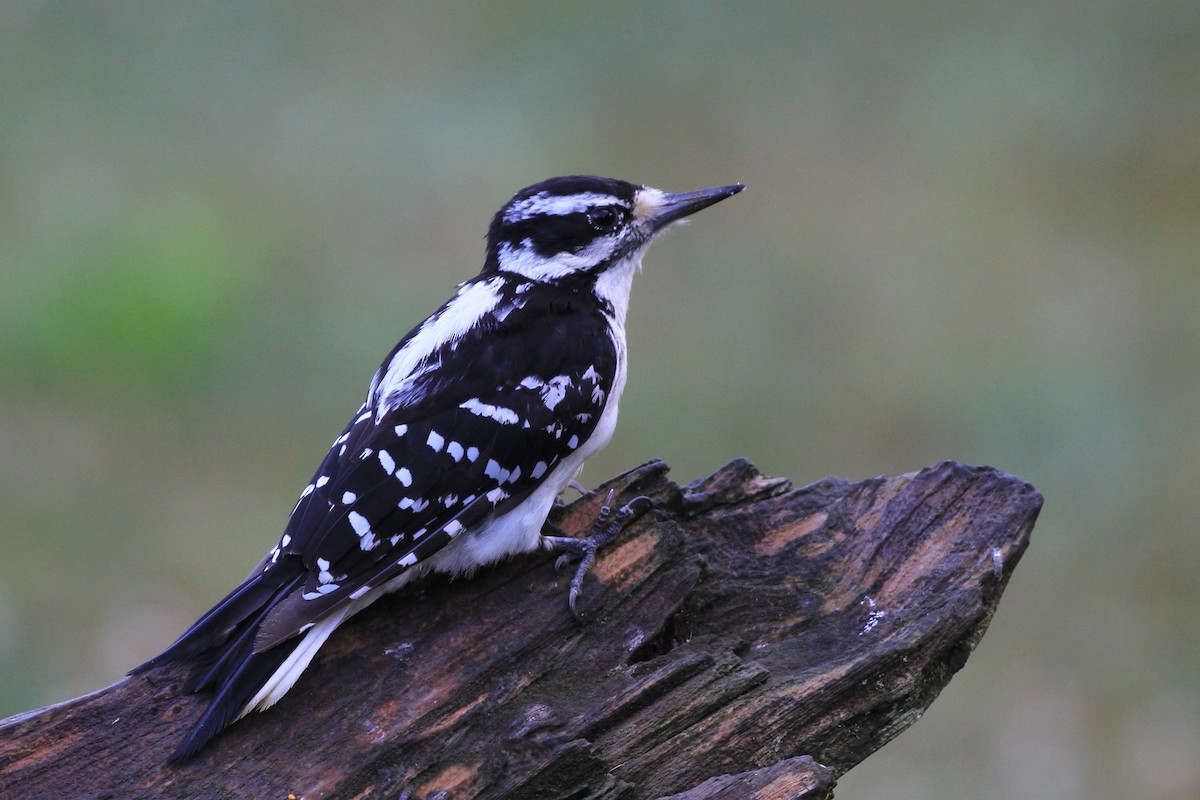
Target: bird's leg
point(560, 503)
point(607, 525)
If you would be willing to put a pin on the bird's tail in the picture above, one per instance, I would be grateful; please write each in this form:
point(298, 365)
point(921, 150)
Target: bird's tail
point(220, 649)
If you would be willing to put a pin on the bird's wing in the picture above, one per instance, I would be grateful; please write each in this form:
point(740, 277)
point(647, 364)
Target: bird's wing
point(469, 439)
point(417, 478)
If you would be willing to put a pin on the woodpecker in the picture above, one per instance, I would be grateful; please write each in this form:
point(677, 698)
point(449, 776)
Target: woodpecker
point(472, 426)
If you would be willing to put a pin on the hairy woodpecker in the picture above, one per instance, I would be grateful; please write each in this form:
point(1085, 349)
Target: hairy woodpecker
point(472, 426)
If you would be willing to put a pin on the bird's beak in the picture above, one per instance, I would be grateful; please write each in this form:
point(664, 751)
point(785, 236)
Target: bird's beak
point(672, 207)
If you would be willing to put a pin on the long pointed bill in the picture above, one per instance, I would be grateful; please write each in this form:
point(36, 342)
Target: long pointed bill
point(673, 207)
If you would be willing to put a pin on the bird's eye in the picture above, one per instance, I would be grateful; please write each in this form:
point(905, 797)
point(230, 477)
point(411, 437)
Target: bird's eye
point(604, 219)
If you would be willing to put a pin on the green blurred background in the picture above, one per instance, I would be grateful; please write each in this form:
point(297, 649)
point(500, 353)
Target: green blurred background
point(972, 232)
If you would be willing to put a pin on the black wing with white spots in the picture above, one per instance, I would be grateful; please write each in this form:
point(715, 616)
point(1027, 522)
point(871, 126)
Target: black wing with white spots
point(401, 484)
point(508, 401)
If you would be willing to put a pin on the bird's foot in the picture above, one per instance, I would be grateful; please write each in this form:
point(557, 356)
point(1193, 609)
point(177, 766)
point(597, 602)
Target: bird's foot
point(608, 524)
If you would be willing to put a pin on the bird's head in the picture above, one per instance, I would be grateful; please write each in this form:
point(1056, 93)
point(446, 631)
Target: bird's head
point(580, 226)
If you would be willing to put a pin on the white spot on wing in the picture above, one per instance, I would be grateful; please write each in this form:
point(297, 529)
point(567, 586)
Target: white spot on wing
point(404, 476)
point(359, 523)
point(494, 471)
point(387, 462)
point(505, 416)
point(348, 498)
point(455, 450)
point(435, 441)
point(555, 390)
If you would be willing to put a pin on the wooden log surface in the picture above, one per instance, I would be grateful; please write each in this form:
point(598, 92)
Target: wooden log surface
point(743, 639)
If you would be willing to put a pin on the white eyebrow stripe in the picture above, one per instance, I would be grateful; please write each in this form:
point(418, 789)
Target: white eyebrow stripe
point(559, 205)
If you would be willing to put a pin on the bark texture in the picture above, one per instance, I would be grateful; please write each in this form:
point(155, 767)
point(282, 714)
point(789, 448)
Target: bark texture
point(743, 639)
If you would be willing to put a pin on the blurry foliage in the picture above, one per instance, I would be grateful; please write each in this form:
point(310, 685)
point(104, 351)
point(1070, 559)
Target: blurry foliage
point(971, 232)
point(144, 308)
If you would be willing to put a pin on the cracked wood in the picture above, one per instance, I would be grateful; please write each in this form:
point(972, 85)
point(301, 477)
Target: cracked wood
point(742, 639)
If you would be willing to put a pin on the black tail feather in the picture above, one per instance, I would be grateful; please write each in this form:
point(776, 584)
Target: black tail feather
point(215, 627)
point(223, 662)
point(219, 647)
point(250, 671)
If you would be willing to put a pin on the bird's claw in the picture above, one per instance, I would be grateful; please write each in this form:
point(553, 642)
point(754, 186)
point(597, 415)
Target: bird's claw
point(607, 525)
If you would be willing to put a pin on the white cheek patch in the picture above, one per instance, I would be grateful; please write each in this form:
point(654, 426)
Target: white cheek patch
point(523, 259)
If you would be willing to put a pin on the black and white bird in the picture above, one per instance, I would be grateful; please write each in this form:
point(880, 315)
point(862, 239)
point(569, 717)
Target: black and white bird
point(472, 426)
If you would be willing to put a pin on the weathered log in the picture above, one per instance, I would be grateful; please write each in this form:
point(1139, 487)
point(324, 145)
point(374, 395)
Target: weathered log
point(742, 639)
